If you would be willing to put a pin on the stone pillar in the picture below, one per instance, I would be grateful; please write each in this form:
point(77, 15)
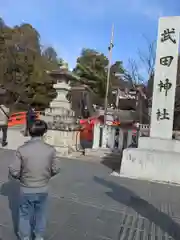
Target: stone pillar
point(165, 78)
point(121, 139)
point(104, 136)
point(109, 136)
point(157, 157)
point(96, 135)
point(112, 141)
point(129, 138)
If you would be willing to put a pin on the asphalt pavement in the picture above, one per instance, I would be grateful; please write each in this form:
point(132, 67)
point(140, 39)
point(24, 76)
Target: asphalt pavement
point(86, 202)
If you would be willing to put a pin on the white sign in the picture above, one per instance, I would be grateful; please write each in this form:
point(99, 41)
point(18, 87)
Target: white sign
point(165, 78)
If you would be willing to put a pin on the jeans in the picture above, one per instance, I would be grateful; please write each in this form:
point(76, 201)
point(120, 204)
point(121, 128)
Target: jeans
point(4, 129)
point(86, 144)
point(32, 214)
point(28, 125)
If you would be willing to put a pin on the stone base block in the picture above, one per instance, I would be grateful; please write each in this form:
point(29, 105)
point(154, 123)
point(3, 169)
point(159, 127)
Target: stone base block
point(62, 151)
point(64, 141)
point(101, 152)
point(159, 144)
point(151, 165)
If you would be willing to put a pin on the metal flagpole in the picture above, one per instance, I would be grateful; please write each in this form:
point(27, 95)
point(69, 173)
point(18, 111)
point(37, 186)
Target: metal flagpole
point(108, 73)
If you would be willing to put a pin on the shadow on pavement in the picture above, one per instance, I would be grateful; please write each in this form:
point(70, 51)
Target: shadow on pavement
point(112, 161)
point(11, 190)
point(127, 197)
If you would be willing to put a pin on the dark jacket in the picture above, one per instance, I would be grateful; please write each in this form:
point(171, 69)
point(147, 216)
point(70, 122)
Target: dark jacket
point(30, 116)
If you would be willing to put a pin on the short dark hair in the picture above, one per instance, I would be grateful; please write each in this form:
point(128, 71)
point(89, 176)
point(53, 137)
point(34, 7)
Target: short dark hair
point(38, 128)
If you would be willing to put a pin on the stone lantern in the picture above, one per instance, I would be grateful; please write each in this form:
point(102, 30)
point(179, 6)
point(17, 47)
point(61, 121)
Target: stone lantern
point(62, 125)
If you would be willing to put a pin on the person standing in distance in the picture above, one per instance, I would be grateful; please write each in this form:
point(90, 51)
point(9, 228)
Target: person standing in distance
point(30, 118)
point(4, 116)
point(34, 165)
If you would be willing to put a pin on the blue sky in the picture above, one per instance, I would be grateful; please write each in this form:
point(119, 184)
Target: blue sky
point(69, 26)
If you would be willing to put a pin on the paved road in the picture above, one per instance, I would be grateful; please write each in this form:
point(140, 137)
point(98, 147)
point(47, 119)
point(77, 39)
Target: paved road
point(15, 137)
point(87, 203)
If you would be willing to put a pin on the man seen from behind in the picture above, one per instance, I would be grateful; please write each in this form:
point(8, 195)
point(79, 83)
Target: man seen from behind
point(34, 165)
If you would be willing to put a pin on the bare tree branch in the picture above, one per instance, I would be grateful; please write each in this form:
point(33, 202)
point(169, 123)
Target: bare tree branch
point(147, 58)
point(137, 78)
point(134, 75)
point(146, 61)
